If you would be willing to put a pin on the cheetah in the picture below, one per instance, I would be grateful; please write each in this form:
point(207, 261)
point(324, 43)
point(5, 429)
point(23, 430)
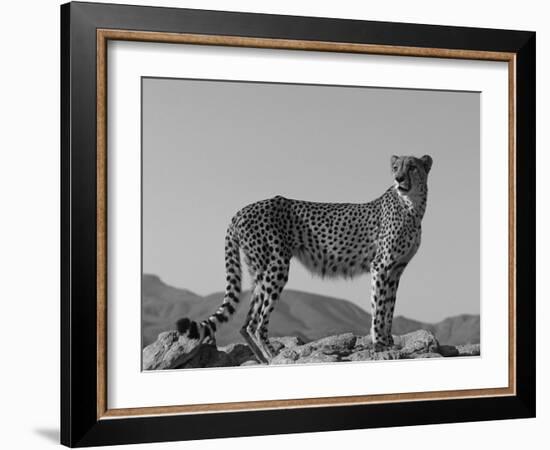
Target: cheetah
point(330, 240)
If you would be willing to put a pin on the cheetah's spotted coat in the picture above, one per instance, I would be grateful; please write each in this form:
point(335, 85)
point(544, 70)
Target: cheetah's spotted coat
point(330, 239)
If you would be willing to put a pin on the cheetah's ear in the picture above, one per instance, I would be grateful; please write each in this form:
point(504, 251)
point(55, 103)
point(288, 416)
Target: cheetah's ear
point(427, 161)
point(394, 159)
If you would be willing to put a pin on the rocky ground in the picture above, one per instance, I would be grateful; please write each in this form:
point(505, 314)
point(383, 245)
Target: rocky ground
point(173, 351)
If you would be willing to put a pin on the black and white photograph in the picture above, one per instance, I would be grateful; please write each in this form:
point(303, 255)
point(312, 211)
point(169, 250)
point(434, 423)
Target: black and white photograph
point(289, 224)
point(284, 220)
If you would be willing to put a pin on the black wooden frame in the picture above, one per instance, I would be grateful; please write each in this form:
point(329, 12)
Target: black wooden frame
point(79, 423)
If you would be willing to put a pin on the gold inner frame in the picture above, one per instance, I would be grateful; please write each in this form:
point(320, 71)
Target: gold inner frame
point(104, 35)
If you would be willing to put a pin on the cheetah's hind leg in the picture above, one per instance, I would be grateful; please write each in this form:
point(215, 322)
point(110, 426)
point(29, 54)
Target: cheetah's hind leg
point(272, 286)
point(247, 331)
point(255, 349)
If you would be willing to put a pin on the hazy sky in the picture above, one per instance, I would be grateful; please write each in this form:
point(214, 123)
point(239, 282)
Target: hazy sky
point(212, 147)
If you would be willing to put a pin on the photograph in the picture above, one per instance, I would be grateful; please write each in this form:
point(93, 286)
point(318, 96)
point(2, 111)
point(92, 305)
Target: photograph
point(287, 223)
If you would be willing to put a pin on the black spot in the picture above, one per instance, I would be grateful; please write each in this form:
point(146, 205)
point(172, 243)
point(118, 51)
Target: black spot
point(220, 317)
point(229, 307)
point(207, 331)
point(212, 324)
point(233, 297)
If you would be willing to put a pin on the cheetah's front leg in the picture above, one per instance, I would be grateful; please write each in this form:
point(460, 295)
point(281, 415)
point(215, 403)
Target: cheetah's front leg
point(385, 279)
point(391, 296)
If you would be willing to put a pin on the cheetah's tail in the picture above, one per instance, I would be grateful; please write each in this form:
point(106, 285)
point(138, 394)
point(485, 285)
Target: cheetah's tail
point(208, 327)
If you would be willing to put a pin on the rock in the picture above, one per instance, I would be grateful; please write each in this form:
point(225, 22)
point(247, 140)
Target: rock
point(364, 341)
point(252, 362)
point(319, 357)
point(339, 344)
point(361, 355)
point(425, 355)
point(239, 353)
point(372, 355)
point(172, 350)
point(287, 341)
point(232, 347)
point(469, 350)
point(417, 342)
point(168, 351)
point(386, 355)
point(286, 356)
point(208, 356)
point(448, 350)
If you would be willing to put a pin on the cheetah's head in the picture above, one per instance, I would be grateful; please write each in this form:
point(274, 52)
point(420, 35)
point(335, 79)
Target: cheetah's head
point(410, 174)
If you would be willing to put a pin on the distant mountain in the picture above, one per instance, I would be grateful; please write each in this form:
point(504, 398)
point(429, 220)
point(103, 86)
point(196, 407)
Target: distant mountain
point(301, 314)
point(457, 330)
